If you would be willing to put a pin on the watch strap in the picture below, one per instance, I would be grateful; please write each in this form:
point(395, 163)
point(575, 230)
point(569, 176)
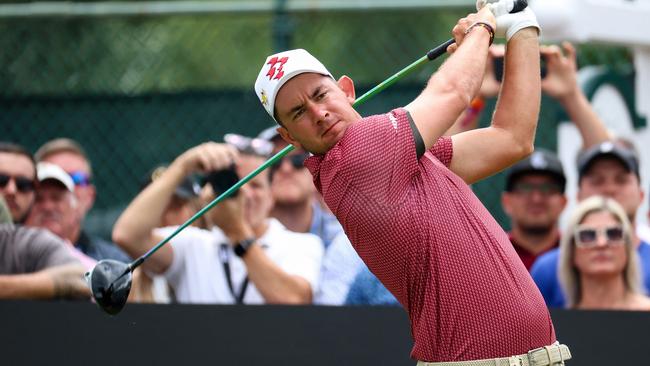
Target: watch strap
point(242, 247)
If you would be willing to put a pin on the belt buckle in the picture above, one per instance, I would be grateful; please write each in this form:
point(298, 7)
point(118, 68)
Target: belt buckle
point(515, 361)
point(544, 352)
point(532, 360)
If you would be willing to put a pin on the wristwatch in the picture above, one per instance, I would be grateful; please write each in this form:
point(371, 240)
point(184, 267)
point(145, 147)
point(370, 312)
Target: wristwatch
point(242, 247)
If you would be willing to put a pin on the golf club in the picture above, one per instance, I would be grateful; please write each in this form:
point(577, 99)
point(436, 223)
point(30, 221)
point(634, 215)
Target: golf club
point(110, 280)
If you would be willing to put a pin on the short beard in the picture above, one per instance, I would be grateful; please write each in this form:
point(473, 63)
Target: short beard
point(536, 230)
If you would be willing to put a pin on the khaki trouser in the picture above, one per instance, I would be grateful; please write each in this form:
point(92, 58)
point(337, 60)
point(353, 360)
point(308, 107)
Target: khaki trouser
point(552, 355)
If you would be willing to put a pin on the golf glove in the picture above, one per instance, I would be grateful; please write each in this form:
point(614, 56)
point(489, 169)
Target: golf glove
point(509, 23)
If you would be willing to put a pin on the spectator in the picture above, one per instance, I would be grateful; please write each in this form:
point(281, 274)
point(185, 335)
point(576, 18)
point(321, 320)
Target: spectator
point(533, 200)
point(607, 170)
point(55, 207)
point(297, 204)
point(598, 261)
point(35, 264)
point(17, 180)
point(644, 230)
point(340, 267)
point(71, 157)
point(366, 289)
point(184, 203)
point(246, 246)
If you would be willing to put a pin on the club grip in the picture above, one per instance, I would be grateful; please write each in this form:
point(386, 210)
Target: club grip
point(438, 51)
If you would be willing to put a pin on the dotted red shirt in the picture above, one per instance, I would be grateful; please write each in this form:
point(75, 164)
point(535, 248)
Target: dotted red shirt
point(433, 244)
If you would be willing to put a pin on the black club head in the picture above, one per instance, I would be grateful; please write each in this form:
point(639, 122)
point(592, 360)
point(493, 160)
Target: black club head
point(110, 284)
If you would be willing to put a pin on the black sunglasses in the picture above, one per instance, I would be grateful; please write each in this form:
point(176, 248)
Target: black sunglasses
point(297, 161)
point(23, 184)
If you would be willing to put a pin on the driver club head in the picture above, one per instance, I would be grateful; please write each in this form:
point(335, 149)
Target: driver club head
point(110, 284)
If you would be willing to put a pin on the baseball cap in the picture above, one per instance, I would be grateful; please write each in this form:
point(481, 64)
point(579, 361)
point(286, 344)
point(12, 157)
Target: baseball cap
point(626, 156)
point(269, 134)
point(48, 171)
point(540, 161)
point(189, 188)
point(280, 68)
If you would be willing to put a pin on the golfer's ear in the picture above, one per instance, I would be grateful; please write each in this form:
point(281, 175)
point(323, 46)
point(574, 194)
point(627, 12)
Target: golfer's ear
point(347, 85)
point(286, 136)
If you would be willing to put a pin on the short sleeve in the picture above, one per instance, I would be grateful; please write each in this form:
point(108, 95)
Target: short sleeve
point(443, 150)
point(40, 249)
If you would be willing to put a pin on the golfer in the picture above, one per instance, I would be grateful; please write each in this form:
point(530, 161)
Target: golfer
point(401, 191)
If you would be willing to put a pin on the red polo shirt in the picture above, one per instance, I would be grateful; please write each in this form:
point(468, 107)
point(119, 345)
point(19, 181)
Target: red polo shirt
point(428, 238)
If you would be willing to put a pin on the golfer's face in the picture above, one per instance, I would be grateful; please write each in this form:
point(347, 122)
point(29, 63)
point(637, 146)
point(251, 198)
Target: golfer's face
point(314, 111)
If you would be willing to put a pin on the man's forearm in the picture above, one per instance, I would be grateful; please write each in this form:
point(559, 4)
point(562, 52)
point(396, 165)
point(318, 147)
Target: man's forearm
point(591, 127)
point(463, 71)
point(275, 285)
point(144, 213)
point(33, 286)
point(517, 109)
point(451, 89)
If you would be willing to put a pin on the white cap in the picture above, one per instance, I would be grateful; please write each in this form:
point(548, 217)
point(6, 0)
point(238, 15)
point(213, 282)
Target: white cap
point(281, 67)
point(47, 171)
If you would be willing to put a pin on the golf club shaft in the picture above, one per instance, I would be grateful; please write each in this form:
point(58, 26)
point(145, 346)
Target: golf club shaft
point(431, 55)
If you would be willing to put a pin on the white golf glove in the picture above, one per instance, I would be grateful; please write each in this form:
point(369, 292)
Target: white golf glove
point(509, 23)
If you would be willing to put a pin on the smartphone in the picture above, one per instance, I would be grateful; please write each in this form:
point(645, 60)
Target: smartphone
point(222, 180)
point(498, 67)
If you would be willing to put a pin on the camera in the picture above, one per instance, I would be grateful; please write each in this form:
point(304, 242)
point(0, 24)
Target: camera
point(222, 180)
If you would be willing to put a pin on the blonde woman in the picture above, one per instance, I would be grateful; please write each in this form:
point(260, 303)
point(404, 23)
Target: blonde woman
point(598, 263)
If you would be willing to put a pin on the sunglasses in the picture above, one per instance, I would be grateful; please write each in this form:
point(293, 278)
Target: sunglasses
point(545, 189)
point(80, 179)
point(297, 161)
point(247, 144)
point(587, 237)
point(23, 184)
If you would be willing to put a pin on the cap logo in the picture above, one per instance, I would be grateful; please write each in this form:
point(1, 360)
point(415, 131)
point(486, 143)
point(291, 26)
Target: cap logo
point(538, 161)
point(275, 71)
point(264, 98)
point(606, 147)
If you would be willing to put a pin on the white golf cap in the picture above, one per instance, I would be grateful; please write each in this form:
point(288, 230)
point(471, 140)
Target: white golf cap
point(280, 68)
point(46, 171)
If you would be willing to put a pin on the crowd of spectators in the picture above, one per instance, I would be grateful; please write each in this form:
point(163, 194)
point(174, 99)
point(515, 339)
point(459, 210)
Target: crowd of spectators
point(274, 241)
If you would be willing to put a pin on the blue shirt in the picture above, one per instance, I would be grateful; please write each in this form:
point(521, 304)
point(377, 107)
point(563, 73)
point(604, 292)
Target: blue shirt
point(338, 270)
point(367, 290)
point(544, 273)
point(98, 249)
point(324, 224)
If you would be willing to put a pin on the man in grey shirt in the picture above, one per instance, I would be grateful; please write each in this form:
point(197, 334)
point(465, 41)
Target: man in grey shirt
point(35, 264)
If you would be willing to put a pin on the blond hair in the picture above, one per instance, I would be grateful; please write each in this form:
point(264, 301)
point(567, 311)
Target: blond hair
point(62, 144)
point(568, 273)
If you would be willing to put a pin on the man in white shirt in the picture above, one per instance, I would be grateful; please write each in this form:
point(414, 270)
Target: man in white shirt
point(246, 258)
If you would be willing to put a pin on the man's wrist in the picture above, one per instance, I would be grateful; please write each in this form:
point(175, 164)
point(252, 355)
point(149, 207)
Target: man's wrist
point(484, 25)
point(242, 247)
point(571, 97)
